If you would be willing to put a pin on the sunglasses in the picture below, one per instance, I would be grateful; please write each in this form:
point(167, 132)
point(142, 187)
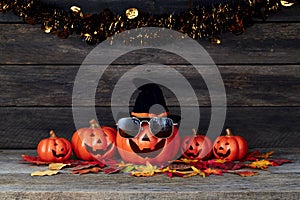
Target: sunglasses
point(160, 127)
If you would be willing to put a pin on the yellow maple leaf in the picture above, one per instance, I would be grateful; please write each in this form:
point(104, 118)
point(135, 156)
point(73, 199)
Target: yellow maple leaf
point(220, 161)
point(265, 155)
point(44, 173)
point(57, 166)
point(145, 170)
point(259, 164)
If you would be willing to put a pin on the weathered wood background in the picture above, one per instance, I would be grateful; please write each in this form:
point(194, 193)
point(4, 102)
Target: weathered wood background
point(260, 69)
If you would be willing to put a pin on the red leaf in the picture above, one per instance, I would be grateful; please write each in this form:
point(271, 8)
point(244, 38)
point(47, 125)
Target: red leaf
point(237, 166)
point(169, 174)
point(252, 156)
point(112, 170)
point(34, 160)
point(280, 161)
point(83, 166)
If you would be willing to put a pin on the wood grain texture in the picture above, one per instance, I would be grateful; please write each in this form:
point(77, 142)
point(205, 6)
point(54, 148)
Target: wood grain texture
point(261, 126)
point(261, 43)
point(280, 182)
point(246, 85)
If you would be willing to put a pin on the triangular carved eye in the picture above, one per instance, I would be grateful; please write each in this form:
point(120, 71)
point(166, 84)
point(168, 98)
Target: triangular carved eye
point(197, 144)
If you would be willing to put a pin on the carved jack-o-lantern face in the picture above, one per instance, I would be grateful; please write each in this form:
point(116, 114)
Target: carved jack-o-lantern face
point(94, 143)
point(54, 149)
point(145, 147)
point(230, 147)
point(196, 147)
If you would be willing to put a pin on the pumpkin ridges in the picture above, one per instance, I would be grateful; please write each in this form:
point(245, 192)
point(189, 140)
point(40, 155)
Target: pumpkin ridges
point(81, 140)
point(204, 141)
point(237, 146)
point(167, 153)
point(79, 149)
point(46, 147)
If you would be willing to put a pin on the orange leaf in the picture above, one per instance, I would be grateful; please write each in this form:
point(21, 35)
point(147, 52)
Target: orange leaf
point(265, 155)
point(210, 171)
point(259, 164)
point(246, 173)
point(86, 171)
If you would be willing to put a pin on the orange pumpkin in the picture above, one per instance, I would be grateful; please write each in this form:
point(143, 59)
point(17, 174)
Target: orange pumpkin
point(145, 147)
point(230, 147)
point(196, 147)
point(94, 142)
point(54, 149)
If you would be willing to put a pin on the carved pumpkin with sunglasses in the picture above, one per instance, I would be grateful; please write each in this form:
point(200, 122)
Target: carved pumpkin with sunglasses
point(155, 140)
point(54, 149)
point(230, 147)
point(196, 147)
point(94, 142)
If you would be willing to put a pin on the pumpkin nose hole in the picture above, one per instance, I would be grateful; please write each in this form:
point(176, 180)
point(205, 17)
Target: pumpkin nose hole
point(99, 141)
point(92, 135)
point(221, 148)
point(191, 148)
point(145, 138)
point(62, 149)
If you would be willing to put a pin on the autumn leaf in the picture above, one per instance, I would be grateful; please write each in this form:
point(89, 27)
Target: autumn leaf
point(145, 170)
point(259, 164)
point(128, 168)
point(83, 166)
point(34, 160)
point(195, 172)
point(210, 171)
point(278, 162)
point(179, 166)
point(57, 166)
point(44, 173)
point(246, 173)
point(265, 155)
point(86, 171)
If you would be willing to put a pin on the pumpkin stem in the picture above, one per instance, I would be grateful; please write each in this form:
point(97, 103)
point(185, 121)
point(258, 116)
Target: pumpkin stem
point(194, 131)
point(52, 134)
point(229, 132)
point(94, 124)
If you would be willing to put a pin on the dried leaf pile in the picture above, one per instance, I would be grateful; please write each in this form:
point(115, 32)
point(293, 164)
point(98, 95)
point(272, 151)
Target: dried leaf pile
point(249, 166)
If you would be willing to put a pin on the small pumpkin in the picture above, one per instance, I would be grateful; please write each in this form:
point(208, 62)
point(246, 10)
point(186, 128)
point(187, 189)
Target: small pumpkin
point(145, 147)
point(196, 146)
point(230, 147)
point(94, 142)
point(54, 149)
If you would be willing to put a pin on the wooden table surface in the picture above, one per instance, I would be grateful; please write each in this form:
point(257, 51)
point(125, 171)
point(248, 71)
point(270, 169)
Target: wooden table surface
point(281, 182)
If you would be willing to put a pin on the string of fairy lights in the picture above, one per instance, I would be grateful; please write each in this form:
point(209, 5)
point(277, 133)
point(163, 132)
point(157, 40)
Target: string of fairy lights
point(200, 21)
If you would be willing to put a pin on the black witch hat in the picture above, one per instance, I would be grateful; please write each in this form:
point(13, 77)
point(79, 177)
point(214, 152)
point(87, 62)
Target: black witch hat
point(150, 102)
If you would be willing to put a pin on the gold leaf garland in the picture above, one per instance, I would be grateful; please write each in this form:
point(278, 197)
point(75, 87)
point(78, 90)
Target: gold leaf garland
point(201, 21)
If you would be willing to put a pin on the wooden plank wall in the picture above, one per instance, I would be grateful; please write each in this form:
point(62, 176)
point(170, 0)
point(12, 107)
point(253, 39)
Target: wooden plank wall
point(260, 70)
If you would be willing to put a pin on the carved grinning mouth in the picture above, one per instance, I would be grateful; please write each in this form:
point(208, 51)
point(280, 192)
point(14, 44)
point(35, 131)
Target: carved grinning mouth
point(147, 152)
point(222, 155)
point(59, 155)
point(193, 155)
point(98, 151)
